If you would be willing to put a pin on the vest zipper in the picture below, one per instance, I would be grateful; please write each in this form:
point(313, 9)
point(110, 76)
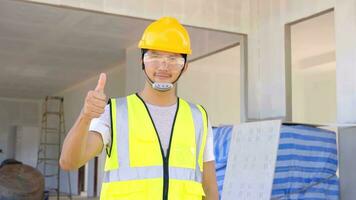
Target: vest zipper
point(165, 178)
point(165, 159)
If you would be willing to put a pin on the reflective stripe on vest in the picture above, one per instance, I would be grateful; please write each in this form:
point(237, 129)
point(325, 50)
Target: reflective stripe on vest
point(132, 127)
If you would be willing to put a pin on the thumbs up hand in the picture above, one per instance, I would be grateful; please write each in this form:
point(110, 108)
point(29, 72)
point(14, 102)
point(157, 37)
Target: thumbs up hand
point(101, 83)
point(95, 100)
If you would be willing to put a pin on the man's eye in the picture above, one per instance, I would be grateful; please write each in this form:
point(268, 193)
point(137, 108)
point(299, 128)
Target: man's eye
point(172, 59)
point(154, 56)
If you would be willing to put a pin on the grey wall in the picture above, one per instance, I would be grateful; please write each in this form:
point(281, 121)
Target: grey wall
point(135, 78)
point(347, 166)
point(16, 112)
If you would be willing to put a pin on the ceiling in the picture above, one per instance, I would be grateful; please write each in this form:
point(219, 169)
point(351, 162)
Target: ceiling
point(45, 49)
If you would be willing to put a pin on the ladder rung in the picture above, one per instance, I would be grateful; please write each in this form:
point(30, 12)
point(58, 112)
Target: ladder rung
point(49, 162)
point(50, 129)
point(49, 132)
point(53, 132)
point(52, 113)
point(50, 175)
point(49, 143)
point(44, 120)
point(54, 97)
point(53, 164)
point(48, 159)
point(43, 124)
point(51, 189)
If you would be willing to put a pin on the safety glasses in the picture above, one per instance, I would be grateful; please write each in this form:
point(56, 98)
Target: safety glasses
point(156, 61)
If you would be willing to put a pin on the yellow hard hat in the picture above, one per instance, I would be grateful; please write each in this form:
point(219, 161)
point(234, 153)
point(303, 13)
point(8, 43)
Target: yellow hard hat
point(166, 34)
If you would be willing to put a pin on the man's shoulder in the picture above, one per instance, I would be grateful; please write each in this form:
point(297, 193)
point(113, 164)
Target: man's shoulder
point(121, 97)
point(197, 105)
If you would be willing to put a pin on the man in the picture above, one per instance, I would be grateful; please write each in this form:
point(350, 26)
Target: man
point(158, 145)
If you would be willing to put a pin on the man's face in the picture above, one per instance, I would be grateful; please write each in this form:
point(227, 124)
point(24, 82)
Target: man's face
point(163, 67)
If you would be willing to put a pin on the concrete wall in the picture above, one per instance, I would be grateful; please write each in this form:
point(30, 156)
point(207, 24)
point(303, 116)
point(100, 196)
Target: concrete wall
point(347, 166)
point(345, 22)
point(266, 52)
point(16, 112)
point(314, 94)
point(135, 78)
point(214, 82)
point(266, 77)
point(27, 144)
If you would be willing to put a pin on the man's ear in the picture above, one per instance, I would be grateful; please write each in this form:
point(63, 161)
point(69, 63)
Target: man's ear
point(185, 67)
point(142, 64)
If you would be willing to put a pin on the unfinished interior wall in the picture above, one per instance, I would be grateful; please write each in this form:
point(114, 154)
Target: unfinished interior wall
point(16, 113)
point(313, 70)
point(267, 91)
point(266, 52)
point(266, 96)
point(345, 31)
point(347, 148)
point(314, 94)
point(214, 82)
point(27, 144)
point(135, 78)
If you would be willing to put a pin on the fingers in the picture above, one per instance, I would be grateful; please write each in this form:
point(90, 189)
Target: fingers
point(96, 111)
point(93, 108)
point(101, 83)
point(95, 100)
point(96, 95)
point(97, 103)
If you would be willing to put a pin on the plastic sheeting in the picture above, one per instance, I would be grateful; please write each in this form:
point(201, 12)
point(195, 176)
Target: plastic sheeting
point(306, 162)
point(20, 182)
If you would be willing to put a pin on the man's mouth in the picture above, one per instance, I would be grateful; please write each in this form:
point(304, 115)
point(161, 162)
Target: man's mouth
point(162, 75)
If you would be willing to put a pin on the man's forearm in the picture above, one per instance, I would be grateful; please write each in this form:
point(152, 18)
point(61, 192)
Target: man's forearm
point(74, 144)
point(211, 195)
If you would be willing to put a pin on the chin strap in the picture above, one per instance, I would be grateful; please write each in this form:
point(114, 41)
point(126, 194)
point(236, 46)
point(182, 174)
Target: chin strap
point(162, 87)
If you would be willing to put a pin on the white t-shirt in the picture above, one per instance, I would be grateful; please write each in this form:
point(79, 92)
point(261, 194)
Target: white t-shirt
point(162, 117)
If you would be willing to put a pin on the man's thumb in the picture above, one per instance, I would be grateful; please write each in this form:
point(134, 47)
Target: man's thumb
point(101, 83)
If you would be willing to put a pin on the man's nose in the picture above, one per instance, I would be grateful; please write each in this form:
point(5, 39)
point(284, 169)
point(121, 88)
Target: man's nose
point(163, 64)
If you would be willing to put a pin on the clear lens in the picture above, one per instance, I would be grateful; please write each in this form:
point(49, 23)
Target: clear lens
point(173, 62)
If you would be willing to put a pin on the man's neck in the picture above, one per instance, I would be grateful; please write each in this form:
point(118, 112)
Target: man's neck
point(154, 97)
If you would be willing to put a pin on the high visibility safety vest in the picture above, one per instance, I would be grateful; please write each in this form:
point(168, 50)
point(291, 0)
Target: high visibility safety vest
point(136, 167)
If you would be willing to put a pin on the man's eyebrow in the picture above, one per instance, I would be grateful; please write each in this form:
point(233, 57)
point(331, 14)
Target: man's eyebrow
point(152, 53)
point(158, 54)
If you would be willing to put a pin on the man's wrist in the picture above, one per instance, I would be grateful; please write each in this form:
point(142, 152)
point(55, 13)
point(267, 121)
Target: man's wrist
point(84, 118)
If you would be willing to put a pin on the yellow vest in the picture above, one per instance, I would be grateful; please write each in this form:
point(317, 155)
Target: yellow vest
point(136, 167)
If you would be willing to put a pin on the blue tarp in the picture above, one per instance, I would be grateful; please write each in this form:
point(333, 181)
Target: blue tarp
point(306, 162)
